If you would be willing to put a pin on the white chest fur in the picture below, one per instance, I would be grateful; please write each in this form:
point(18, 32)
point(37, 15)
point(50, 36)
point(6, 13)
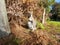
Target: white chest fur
point(32, 23)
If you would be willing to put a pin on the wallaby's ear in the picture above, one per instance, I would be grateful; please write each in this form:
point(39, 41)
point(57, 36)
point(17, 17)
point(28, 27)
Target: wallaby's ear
point(31, 12)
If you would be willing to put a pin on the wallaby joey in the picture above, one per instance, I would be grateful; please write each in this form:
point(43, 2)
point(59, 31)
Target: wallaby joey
point(31, 22)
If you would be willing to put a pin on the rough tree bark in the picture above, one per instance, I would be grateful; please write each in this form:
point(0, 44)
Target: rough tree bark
point(4, 26)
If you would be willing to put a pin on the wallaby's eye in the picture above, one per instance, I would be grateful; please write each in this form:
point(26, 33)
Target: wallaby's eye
point(29, 16)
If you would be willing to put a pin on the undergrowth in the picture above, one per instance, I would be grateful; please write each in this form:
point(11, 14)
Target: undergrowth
point(40, 25)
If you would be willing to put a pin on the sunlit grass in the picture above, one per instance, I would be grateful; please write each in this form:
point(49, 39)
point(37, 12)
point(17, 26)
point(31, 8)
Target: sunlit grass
point(53, 25)
point(40, 25)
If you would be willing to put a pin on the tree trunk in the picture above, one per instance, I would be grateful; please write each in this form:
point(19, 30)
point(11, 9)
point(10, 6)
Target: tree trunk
point(4, 26)
point(43, 20)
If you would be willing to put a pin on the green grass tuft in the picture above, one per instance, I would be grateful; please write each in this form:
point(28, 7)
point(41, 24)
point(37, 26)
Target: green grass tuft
point(40, 25)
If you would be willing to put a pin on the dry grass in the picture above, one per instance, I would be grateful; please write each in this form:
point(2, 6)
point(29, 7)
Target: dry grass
point(37, 37)
point(15, 10)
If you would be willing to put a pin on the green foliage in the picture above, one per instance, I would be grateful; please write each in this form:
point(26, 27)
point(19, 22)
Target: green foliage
point(46, 4)
point(16, 40)
point(40, 25)
point(56, 9)
point(51, 2)
point(48, 19)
